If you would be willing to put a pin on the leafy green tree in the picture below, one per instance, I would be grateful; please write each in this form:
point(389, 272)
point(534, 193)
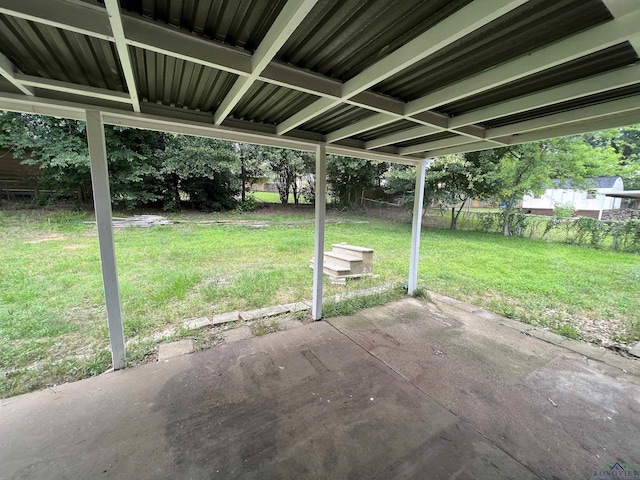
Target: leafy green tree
point(304, 177)
point(349, 177)
point(529, 168)
point(288, 166)
point(455, 179)
point(625, 142)
point(59, 147)
point(206, 170)
point(400, 180)
point(251, 165)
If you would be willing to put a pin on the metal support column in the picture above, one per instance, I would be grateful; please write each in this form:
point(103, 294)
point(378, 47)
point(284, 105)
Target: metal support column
point(318, 249)
point(102, 205)
point(416, 226)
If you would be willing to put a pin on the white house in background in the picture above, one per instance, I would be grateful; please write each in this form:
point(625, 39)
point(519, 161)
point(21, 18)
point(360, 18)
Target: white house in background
point(587, 203)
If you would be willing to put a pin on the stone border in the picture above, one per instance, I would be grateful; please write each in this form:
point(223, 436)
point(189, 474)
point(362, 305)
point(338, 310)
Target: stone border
point(236, 315)
point(273, 311)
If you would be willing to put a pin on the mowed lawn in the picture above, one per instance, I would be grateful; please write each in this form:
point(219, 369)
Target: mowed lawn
point(52, 315)
point(270, 197)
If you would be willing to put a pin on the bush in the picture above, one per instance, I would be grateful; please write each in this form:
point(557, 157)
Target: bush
point(249, 205)
point(308, 192)
point(615, 234)
point(564, 210)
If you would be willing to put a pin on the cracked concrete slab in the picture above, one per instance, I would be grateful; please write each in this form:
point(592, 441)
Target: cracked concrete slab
point(561, 414)
point(390, 392)
point(237, 334)
point(174, 349)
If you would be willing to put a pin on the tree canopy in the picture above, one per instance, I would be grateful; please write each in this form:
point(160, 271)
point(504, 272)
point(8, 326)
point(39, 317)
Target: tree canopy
point(154, 168)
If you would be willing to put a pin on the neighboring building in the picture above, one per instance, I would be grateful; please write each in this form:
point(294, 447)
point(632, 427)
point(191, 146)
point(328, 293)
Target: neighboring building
point(17, 181)
point(587, 203)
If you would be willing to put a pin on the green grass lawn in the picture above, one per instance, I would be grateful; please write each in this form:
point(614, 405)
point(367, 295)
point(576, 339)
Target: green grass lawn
point(270, 197)
point(52, 316)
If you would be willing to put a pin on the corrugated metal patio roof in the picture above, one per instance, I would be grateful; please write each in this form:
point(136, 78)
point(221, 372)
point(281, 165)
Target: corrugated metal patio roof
point(400, 80)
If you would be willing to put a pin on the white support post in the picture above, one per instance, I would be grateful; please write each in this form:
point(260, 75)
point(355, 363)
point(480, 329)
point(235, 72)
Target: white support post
point(416, 226)
point(318, 249)
point(604, 199)
point(102, 205)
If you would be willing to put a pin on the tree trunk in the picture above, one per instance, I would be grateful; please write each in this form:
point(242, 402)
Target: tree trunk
point(507, 215)
point(296, 191)
point(455, 214)
point(176, 189)
point(243, 175)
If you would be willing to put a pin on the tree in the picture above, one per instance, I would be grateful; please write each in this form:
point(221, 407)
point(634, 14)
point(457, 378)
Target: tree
point(455, 179)
point(203, 168)
point(626, 143)
point(349, 177)
point(59, 147)
point(288, 166)
point(251, 164)
point(399, 180)
point(529, 168)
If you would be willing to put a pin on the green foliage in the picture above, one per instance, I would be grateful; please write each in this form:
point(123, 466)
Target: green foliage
point(308, 191)
point(348, 177)
point(289, 167)
point(591, 231)
point(252, 165)
point(248, 205)
point(454, 179)
point(626, 143)
point(400, 180)
point(564, 210)
point(529, 168)
point(59, 147)
point(614, 234)
point(206, 170)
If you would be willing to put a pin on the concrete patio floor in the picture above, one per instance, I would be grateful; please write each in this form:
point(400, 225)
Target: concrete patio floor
point(408, 390)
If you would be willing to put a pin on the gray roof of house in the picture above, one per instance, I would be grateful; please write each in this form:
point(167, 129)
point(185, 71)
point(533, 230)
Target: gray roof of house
point(597, 182)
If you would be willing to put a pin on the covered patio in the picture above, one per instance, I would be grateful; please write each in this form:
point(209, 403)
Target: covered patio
point(396, 81)
point(436, 390)
point(386, 80)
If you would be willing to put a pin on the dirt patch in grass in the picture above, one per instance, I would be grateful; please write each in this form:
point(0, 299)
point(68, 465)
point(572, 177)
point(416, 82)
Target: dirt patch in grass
point(75, 246)
point(49, 237)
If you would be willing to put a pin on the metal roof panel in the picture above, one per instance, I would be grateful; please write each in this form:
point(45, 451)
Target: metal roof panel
point(566, 106)
point(270, 103)
point(44, 51)
point(175, 82)
point(341, 38)
point(385, 130)
point(533, 25)
point(599, 62)
point(241, 23)
point(336, 118)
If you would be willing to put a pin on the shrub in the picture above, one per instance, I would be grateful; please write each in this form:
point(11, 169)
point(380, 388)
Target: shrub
point(616, 234)
point(249, 205)
point(564, 210)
